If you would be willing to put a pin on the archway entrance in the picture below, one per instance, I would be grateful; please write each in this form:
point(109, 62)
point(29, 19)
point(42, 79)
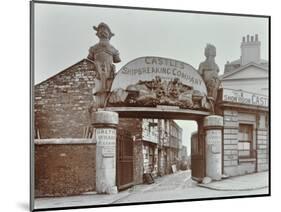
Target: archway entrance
point(159, 157)
point(157, 89)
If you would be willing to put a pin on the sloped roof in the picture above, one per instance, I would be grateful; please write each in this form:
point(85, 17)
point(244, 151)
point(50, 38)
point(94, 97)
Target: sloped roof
point(235, 71)
point(234, 62)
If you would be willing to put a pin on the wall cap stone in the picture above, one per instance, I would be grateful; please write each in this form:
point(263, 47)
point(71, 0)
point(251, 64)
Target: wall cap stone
point(105, 118)
point(213, 121)
point(64, 141)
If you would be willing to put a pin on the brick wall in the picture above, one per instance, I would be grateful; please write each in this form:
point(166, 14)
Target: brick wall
point(64, 169)
point(62, 102)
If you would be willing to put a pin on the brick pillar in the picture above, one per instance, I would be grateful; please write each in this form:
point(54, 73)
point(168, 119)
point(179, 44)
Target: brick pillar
point(230, 142)
point(262, 144)
point(105, 123)
point(213, 130)
point(262, 150)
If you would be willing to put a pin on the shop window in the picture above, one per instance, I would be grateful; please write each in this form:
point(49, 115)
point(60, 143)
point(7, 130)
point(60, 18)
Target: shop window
point(245, 145)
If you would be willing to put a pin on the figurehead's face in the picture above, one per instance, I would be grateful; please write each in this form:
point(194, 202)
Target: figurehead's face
point(103, 33)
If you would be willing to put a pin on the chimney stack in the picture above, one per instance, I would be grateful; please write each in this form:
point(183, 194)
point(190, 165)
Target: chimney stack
point(250, 50)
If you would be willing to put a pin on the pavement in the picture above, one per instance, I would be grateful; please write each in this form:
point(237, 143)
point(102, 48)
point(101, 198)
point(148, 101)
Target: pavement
point(177, 186)
point(240, 183)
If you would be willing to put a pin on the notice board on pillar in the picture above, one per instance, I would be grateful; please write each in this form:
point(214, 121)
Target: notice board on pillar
point(121, 93)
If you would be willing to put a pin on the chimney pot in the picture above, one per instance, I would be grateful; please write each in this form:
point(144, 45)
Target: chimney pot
point(243, 39)
point(248, 38)
point(256, 37)
point(252, 38)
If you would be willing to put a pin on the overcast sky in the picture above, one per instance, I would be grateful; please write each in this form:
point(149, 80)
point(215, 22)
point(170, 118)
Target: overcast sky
point(63, 35)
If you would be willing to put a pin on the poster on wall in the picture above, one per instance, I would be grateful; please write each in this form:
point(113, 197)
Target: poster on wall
point(135, 105)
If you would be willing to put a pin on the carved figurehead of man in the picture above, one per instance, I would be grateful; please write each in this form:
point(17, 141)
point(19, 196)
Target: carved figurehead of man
point(104, 55)
point(209, 70)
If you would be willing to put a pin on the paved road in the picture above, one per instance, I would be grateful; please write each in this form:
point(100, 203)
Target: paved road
point(170, 187)
point(180, 186)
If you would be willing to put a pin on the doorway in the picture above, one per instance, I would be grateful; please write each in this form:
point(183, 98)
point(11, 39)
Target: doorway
point(125, 168)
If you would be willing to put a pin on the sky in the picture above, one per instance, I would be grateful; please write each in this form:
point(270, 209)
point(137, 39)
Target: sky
point(63, 35)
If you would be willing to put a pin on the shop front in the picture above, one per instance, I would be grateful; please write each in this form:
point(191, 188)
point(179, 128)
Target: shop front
point(245, 132)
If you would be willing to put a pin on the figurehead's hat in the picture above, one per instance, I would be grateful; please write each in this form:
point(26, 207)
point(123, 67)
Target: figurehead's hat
point(210, 50)
point(106, 26)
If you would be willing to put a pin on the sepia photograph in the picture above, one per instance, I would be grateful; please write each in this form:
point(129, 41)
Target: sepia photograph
point(141, 105)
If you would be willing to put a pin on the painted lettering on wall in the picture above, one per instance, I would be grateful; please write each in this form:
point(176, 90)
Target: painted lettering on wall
point(243, 97)
point(146, 68)
point(213, 139)
point(105, 136)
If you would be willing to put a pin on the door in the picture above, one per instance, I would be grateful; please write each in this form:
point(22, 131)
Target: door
point(198, 156)
point(125, 168)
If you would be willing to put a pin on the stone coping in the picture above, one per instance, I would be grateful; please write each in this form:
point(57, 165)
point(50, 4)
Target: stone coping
point(65, 141)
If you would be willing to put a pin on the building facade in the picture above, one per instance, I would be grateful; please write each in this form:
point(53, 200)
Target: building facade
point(244, 104)
point(250, 71)
point(245, 132)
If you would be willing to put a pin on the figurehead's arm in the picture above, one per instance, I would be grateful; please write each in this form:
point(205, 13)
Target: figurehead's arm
point(200, 69)
point(116, 57)
point(91, 55)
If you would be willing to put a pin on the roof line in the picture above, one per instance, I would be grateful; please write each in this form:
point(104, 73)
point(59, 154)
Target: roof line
point(242, 67)
point(63, 71)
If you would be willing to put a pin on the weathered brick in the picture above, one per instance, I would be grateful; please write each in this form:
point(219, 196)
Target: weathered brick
point(230, 157)
point(227, 152)
point(64, 99)
point(230, 147)
point(64, 169)
point(262, 132)
point(228, 163)
point(230, 112)
point(230, 124)
point(230, 141)
point(262, 156)
point(262, 146)
point(261, 151)
point(261, 137)
point(230, 136)
point(262, 141)
point(230, 131)
point(234, 162)
point(262, 167)
point(262, 160)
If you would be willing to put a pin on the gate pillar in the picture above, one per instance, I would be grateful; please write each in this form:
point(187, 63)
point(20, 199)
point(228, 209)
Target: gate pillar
point(213, 139)
point(105, 123)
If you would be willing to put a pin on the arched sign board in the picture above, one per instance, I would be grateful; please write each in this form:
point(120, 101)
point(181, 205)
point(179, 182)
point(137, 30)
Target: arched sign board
point(153, 81)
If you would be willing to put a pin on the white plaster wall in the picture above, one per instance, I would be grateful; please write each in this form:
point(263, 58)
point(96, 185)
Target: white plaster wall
point(259, 86)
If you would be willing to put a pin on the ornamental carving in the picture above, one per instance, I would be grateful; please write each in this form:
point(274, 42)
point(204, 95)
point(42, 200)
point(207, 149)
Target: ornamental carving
point(159, 92)
point(104, 55)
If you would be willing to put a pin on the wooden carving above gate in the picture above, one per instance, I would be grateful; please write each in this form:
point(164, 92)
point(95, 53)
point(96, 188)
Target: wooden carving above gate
point(152, 81)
